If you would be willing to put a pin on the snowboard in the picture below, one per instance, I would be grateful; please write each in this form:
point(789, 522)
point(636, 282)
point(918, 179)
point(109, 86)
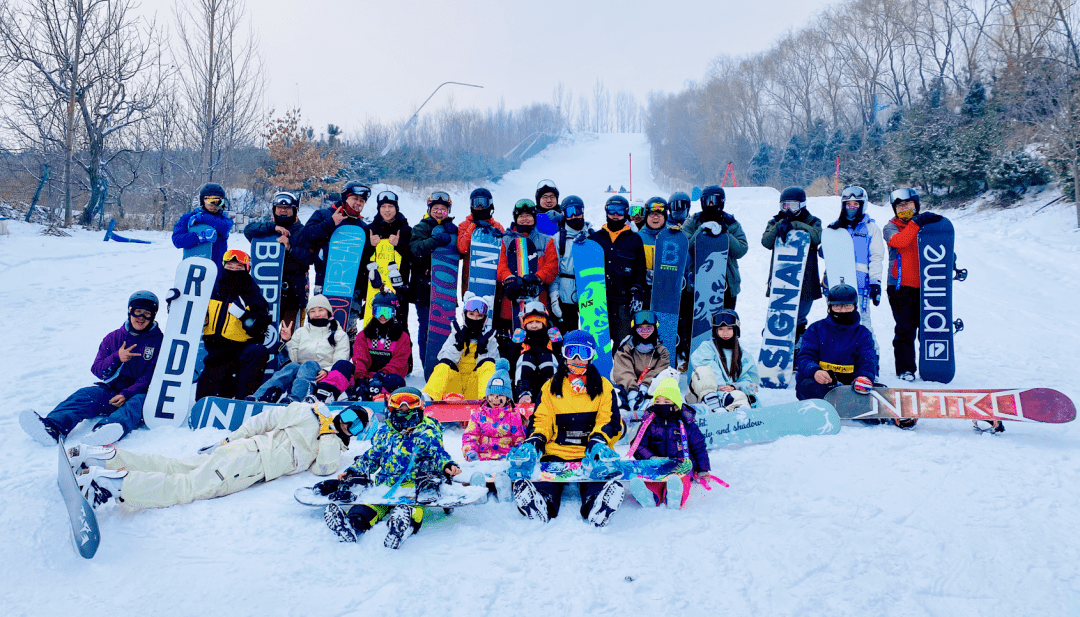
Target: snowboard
point(342, 268)
point(450, 496)
point(267, 267)
point(761, 424)
point(444, 276)
point(547, 223)
point(484, 262)
point(84, 525)
point(839, 252)
point(654, 469)
point(710, 283)
point(202, 249)
point(1021, 404)
point(937, 361)
point(388, 260)
point(167, 399)
point(669, 266)
point(592, 300)
point(517, 254)
point(777, 355)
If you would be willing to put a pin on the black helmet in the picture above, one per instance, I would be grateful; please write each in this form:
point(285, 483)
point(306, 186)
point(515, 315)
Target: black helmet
point(386, 197)
point(546, 186)
point(679, 202)
point(656, 204)
point(843, 294)
point(573, 203)
point(355, 188)
point(726, 317)
point(617, 202)
point(900, 195)
point(285, 199)
point(524, 206)
point(713, 198)
point(211, 189)
point(144, 300)
point(793, 193)
point(480, 199)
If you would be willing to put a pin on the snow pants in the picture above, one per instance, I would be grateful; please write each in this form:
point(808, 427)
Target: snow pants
point(472, 385)
point(233, 372)
point(809, 388)
point(423, 317)
point(660, 490)
point(155, 481)
point(552, 492)
point(93, 402)
point(294, 378)
point(904, 302)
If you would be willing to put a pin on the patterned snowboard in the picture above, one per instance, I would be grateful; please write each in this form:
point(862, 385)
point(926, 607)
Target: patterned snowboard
point(762, 424)
point(444, 277)
point(202, 249)
point(386, 257)
point(342, 268)
point(592, 300)
point(84, 525)
point(669, 266)
point(710, 283)
point(1026, 404)
point(654, 469)
point(776, 359)
point(484, 261)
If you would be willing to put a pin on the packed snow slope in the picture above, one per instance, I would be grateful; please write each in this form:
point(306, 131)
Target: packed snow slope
point(873, 521)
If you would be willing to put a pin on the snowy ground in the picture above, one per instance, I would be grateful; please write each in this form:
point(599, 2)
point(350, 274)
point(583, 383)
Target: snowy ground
point(873, 521)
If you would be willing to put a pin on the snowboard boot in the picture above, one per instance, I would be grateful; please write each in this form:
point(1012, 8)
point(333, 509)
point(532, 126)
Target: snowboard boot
point(339, 523)
point(906, 423)
point(104, 434)
point(272, 395)
point(529, 501)
point(402, 522)
point(428, 488)
point(84, 456)
point(100, 486)
point(673, 495)
point(503, 489)
point(642, 494)
point(993, 427)
point(907, 376)
point(607, 501)
point(42, 430)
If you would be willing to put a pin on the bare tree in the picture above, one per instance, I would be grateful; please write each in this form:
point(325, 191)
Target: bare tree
point(601, 108)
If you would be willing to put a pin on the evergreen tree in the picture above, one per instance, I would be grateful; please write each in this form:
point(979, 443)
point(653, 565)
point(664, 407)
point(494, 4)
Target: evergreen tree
point(761, 166)
point(791, 168)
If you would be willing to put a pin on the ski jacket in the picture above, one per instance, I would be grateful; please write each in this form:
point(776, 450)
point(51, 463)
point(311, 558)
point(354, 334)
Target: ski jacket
point(421, 246)
point(399, 225)
point(223, 328)
point(403, 456)
point(131, 377)
point(538, 355)
point(314, 242)
point(543, 262)
point(184, 238)
point(473, 355)
point(631, 363)
point(492, 433)
point(663, 438)
point(737, 246)
point(811, 284)
point(297, 261)
point(564, 425)
point(464, 244)
point(288, 440)
point(564, 287)
point(708, 355)
point(846, 352)
point(387, 351)
point(869, 251)
point(903, 241)
point(311, 343)
point(624, 262)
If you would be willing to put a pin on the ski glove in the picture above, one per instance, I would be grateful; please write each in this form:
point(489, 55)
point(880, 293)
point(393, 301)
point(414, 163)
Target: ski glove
point(514, 287)
point(556, 307)
point(533, 284)
point(926, 218)
point(471, 456)
point(207, 235)
point(875, 293)
point(441, 238)
point(636, 301)
point(713, 228)
point(783, 228)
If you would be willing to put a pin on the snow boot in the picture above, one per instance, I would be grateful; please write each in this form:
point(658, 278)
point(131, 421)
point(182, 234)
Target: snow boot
point(607, 501)
point(272, 395)
point(402, 522)
point(993, 428)
point(907, 376)
point(642, 494)
point(673, 495)
point(41, 429)
point(906, 423)
point(104, 434)
point(100, 486)
point(339, 523)
point(530, 502)
point(84, 456)
point(503, 489)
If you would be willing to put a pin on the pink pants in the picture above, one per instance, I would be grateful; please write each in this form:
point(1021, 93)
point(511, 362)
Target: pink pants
point(660, 489)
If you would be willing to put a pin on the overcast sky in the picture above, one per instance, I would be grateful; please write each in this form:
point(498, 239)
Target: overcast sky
point(347, 60)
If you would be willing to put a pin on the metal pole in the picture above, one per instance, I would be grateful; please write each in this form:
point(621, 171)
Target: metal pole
point(631, 176)
point(413, 118)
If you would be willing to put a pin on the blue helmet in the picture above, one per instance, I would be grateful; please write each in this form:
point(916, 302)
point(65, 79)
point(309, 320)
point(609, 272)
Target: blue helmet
point(577, 341)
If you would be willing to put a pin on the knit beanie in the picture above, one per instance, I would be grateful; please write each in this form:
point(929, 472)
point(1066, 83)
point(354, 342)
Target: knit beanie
point(500, 380)
point(669, 389)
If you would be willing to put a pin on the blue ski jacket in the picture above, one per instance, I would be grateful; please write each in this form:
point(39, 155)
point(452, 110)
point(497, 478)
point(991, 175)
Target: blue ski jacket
point(846, 352)
point(184, 238)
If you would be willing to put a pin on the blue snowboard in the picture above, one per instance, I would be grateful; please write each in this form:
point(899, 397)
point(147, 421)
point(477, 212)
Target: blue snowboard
point(777, 355)
point(444, 280)
point(654, 469)
point(484, 261)
point(669, 266)
point(84, 526)
point(757, 425)
point(202, 249)
point(342, 267)
point(937, 360)
point(710, 283)
point(267, 266)
point(592, 300)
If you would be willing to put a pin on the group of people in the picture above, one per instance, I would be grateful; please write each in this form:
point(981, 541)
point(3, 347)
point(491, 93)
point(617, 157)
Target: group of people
point(545, 362)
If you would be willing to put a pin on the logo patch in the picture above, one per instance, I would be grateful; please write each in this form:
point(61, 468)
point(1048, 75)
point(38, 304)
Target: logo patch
point(937, 350)
point(148, 353)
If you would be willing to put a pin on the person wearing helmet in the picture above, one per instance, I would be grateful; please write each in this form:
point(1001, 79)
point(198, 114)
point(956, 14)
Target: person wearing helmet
point(794, 215)
point(281, 440)
point(563, 290)
point(678, 209)
point(320, 227)
point(549, 219)
point(381, 350)
point(125, 364)
point(390, 225)
point(467, 358)
point(637, 216)
point(624, 266)
point(436, 229)
point(537, 346)
point(408, 451)
point(722, 366)
point(210, 212)
point(654, 220)
point(713, 220)
point(285, 225)
point(639, 358)
point(869, 248)
point(234, 333)
point(902, 237)
point(481, 211)
point(837, 350)
point(543, 267)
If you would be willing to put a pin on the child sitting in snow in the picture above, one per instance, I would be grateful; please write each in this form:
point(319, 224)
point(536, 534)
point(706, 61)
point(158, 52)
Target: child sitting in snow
point(721, 366)
point(538, 347)
point(467, 358)
point(495, 428)
point(669, 431)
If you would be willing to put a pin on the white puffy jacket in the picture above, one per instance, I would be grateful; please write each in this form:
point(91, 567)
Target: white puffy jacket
point(312, 343)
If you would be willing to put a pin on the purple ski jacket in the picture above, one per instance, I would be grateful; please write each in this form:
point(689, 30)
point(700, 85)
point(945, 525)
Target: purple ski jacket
point(663, 438)
point(131, 377)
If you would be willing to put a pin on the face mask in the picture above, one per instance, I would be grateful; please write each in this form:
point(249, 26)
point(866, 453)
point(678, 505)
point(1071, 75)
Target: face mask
point(403, 421)
point(284, 221)
point(844, 319)
point(481, 215)
point(575, 224)
point(852, 212)
point(905, 215)
point(524, 229)
point(319, 323)
point(576, 369)
point(616, 225)
point(665, 411)
point(474, 325)
point(233, 279)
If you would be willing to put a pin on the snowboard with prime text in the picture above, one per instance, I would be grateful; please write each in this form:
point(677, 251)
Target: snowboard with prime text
point(84, 525)
point(669, 266)
point(444, 280)
point(937, 357)
point(777, 355)
point(168, 399)
point(342, 267)
point(747, 425)
point(710, 283)
point(592, 300)
point(1020, 404)
point(267, 268)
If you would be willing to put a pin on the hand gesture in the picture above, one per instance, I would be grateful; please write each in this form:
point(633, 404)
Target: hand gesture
point(125, 353)
point(394, 238)
point(320, 375)
point(286, 331)
point(117, 400)
point(822, 377)
point(453, 469)
point(339, 215)
point(284, 240)
point(284, 231)
point(375, 239)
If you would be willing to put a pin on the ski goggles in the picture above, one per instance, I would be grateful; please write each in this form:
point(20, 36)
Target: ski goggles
point(679, 205)
point(438, 197)
point(712, 200)
point(645, 317)
point(141, 313)
point(478, 305)
point(285, 199)
point(615, 209)
point(579, 351)
point(546, 186)
point(637, 210)
point(903, 195)
point(353, 421)
point(238, 255)
point(387, 197)
point(383, 312)
point(405, 401)
point(791, 204)
point(853, 193)
point(573, 210)
point(480, 203)
point(725, 318)
point(212, 200)
point(656, 206)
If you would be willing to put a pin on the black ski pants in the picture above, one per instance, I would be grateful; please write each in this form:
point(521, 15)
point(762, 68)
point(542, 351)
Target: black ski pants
point(552, 492)
point(234, 371)
point(905, 309)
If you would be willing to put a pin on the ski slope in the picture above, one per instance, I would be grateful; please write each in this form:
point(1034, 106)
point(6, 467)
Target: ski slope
point(936, 521)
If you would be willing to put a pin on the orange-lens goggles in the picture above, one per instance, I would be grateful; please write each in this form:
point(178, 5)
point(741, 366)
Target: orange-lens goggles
point(212, 200)
point(407, 400)
point(240, 256)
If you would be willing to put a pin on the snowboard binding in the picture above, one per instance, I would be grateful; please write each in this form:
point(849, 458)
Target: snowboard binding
point(958, 325)
point(959, 274)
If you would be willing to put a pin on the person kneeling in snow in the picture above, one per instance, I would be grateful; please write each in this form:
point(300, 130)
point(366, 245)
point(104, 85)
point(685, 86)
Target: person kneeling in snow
point(125, 365)
point(577, 417)
point(406, 451)
point(467, 358)
point(669, 431)
point(278, 441)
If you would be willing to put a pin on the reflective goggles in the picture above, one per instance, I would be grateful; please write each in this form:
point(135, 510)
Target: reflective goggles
point(903, 195)
point(438, 197)
point(285, 199)
point(478, 305)
point(212, 200)
point(143, 313)
point(678, 205)
point(405, 401)
point(480, 203)
point(791, 205)
point(359, 190)
point(385, 312)
point(656, 206)
point(725, 318)
point(387, 197)
point(714, 200)
point(637, 210)
point(238, 255)
point(615, 209)
point(579, 351)
point(353, 421)
point(573, 210)
point(853, 193)
point(546, 184)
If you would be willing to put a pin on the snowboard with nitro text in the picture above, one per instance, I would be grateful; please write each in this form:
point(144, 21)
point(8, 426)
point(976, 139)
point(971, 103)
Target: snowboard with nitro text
point(1021, 404)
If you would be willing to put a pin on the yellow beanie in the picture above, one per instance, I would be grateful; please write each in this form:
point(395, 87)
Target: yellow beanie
point(669, 389)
